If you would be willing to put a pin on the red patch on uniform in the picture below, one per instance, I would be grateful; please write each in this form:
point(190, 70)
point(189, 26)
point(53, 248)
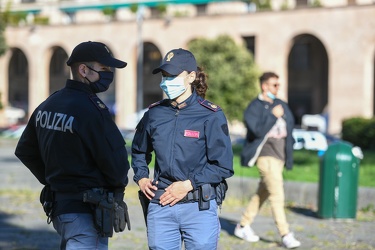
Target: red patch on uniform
point(191, 133)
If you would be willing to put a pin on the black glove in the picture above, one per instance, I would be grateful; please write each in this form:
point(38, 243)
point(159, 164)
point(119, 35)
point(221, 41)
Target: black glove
point(121, 218)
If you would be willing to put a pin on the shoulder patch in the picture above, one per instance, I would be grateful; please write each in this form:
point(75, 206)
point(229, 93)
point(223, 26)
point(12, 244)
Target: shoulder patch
point(98, 103)
point(209, 105)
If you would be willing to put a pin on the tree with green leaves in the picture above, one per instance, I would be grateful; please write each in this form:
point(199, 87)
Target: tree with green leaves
point(3, 46)
point(232, 73)
point(260, 4)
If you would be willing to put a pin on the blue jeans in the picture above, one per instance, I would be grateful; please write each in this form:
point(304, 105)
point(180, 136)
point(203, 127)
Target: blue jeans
point(77, 231)
point(168, 226)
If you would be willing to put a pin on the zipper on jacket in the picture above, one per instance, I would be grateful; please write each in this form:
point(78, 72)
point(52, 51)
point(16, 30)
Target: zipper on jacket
point(173, 142)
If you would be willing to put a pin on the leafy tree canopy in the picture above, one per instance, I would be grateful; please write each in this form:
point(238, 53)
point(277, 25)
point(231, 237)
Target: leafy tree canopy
point(232, 73)
point(3, 45)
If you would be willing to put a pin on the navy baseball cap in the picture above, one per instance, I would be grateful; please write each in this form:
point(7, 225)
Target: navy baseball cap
point(176, 61)
point(94, 52)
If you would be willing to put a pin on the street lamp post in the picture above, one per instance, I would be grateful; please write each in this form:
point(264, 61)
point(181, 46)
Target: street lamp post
point(140, 59)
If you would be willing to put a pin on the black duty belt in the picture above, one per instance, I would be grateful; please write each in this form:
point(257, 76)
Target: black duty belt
point(75, 195)
point(192, 196)
point(68, 196)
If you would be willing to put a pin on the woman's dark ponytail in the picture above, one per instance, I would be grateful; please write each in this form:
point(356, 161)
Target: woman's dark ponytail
point(200, 83)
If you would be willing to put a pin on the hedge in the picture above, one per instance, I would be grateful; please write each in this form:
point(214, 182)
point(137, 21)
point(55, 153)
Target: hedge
point(360, 132)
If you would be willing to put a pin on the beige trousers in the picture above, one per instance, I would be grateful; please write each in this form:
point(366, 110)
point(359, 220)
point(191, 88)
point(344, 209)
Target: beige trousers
point(270, 187)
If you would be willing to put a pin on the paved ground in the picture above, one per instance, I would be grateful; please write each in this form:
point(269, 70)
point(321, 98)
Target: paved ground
point(23, 224)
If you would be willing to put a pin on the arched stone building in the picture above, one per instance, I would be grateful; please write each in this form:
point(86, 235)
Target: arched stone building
point(325, 57)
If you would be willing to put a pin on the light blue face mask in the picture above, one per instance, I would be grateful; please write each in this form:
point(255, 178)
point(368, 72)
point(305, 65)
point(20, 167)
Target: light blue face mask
point(270, 95)
point(173, 86)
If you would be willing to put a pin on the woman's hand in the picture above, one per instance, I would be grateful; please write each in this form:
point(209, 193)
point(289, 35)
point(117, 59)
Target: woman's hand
point(175, 192)
point(146, 186)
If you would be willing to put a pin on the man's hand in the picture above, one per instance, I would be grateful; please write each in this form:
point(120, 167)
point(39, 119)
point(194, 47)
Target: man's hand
point(146, 186)
point(175, 192)
point(278, 111)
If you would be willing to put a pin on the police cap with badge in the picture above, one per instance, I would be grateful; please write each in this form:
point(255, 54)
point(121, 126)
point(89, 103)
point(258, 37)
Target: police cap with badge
point(94, 52)
point(176, 61)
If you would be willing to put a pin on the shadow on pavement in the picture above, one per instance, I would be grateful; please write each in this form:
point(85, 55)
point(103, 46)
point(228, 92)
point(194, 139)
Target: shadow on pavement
point(229, 226)
point(9, 159)
point(303, 211)
point(15, 237)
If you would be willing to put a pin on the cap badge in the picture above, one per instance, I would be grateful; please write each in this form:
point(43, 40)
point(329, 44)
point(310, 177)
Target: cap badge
point(169, 56)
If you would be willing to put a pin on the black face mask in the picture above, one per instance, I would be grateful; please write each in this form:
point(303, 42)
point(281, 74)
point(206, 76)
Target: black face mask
point(101, 85)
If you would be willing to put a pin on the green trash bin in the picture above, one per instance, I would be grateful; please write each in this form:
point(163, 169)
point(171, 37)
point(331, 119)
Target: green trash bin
point(338, 182)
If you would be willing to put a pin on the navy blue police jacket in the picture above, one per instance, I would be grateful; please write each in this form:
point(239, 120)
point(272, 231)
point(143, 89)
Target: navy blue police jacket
point(190, 140)
point(72, 144)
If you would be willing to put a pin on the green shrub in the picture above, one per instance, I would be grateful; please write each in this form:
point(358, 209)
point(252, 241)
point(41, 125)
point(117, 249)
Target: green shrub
point(162, 8)
point(226, 62)
point(316, 3)
point(359, 131)
point(1, 104)
point(15, 18)
point(41, 20)
point(134, 8)
point(109, 11)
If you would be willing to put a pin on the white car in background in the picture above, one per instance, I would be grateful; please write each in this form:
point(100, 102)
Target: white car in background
point(310, 140)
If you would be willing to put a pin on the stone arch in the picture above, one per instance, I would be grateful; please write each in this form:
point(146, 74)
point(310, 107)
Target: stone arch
point(151, 60)
point(58, 70)
point(18, 80)
point(307, 77)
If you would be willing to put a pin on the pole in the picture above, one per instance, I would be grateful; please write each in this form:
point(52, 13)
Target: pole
point(140, 59)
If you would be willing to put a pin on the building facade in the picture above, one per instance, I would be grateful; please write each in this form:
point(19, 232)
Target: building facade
point(325, 56)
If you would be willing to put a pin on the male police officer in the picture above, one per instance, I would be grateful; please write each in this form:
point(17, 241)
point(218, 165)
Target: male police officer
point(74, 148)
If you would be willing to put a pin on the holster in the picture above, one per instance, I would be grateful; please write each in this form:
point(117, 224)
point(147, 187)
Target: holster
point(145, 202)
point(110, 211)
point(208, 192)
point(221, 190)
point(205, 195)
point(47, 200)
point(104, 215)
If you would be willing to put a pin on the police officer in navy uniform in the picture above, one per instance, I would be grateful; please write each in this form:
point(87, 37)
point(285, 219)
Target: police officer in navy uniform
point(193, 154)
point(71, 145)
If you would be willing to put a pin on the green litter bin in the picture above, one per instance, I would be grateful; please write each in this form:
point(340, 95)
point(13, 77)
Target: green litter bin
point(338, 182)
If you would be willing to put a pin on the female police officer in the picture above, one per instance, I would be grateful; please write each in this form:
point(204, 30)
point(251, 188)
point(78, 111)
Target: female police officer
point(190, 138)
point(72, 145)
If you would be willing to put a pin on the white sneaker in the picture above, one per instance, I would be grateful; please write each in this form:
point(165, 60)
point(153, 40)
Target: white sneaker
point(246, 233)
point(290, 242)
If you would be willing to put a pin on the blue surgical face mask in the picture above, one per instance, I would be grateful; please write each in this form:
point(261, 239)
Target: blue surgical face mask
point(270, 95)
point(101, 85)
point(173, 86)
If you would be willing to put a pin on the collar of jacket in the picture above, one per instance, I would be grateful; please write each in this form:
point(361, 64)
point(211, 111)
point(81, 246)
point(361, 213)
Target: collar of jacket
point(188, 102)
point(72, 84)
point(261, 97)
